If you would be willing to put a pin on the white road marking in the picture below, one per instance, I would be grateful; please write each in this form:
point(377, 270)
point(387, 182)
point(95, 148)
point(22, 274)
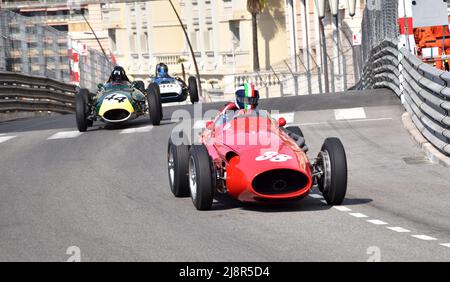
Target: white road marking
point(6, 138)
point(424, 237)
point(377, 222)
point(137, 130)
point(65, 135)
point(342, 208)
point(358, 215)
point(289, 117)
point(341, 121)
point(316, 196)
point(398, 229)
point(352, 113)
point(445, 245)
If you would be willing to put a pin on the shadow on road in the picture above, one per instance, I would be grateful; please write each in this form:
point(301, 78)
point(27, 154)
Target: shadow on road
point(351, 202)
point(223, 202)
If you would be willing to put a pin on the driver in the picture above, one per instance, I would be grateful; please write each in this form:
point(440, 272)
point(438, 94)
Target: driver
point(246, 97)
point(162, 71)
point(118, 76)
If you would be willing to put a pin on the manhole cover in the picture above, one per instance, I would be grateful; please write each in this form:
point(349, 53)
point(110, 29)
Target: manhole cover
point(416, 160)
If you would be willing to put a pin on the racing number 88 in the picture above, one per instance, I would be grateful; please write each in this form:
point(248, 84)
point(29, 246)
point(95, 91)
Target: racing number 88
point(273, 157)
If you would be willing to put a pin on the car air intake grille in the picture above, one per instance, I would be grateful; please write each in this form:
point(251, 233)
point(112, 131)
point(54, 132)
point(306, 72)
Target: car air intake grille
point(117, 114)
point(279, 181)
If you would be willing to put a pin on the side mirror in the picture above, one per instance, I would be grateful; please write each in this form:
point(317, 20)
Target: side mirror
point(281, 122)
point(209, 124)
point(100, 86)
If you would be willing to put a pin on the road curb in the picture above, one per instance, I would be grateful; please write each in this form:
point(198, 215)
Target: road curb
point(430, 151)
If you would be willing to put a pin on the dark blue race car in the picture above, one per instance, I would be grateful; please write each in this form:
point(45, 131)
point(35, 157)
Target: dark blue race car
point(174, 89)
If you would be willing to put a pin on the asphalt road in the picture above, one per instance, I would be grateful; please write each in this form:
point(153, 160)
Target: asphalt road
point(106, 192)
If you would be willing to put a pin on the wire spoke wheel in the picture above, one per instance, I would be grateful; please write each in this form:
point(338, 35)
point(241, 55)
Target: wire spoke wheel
point(192, 179)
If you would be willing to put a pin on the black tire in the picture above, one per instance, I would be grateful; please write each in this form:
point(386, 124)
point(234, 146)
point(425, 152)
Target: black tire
point(82, 110)
point(159, 102)
point(178, 161)
point(200, 163)
point(335, 189)
point(193, 89)
point(296, 130)
point(154, 103)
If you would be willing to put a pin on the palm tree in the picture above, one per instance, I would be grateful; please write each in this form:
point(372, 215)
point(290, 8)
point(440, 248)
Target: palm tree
point(255, 7)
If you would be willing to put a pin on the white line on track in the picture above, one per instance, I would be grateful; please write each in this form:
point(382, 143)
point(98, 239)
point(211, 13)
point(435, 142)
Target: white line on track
point(289, 117)
point(65, 135)
point(398, 229)
point(358, 215)
point(342, 121)
point(377, 222)
point(137, 130)
point(342, 208)
point(424, 237)
point(352, 113)
point(316, 196)
point(6, 138)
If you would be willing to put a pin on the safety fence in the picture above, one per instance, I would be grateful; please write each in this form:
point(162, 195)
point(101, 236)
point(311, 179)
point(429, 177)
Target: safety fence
point(312, 70)
point(39, 50)
point(423, 89)
point(25, 93)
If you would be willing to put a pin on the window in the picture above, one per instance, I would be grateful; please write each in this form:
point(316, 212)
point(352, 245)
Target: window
point(144, 42)
point(195, 39)
point(112, 36)
point(208, 39)
point(133, 39)
point(236, 33)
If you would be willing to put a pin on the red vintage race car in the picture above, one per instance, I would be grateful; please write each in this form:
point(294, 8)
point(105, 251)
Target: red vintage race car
point(253, 158)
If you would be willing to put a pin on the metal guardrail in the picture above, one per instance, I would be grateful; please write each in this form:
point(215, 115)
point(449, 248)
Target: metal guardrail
point(19, 92)
point(423, 89)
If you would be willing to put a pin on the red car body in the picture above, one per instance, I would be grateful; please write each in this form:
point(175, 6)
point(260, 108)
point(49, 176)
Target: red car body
point(255, 159)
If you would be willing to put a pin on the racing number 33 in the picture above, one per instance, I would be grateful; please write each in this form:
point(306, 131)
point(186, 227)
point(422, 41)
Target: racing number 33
point(273, 157)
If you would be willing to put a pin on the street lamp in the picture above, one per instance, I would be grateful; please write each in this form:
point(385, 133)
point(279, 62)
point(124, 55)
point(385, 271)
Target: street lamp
point(93, 32)
point(190, 48)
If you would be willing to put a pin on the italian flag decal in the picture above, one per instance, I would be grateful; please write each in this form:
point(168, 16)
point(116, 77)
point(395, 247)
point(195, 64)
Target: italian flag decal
point(249, 92)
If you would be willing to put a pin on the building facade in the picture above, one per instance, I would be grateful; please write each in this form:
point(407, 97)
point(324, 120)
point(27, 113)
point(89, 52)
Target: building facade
point(140, 34)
